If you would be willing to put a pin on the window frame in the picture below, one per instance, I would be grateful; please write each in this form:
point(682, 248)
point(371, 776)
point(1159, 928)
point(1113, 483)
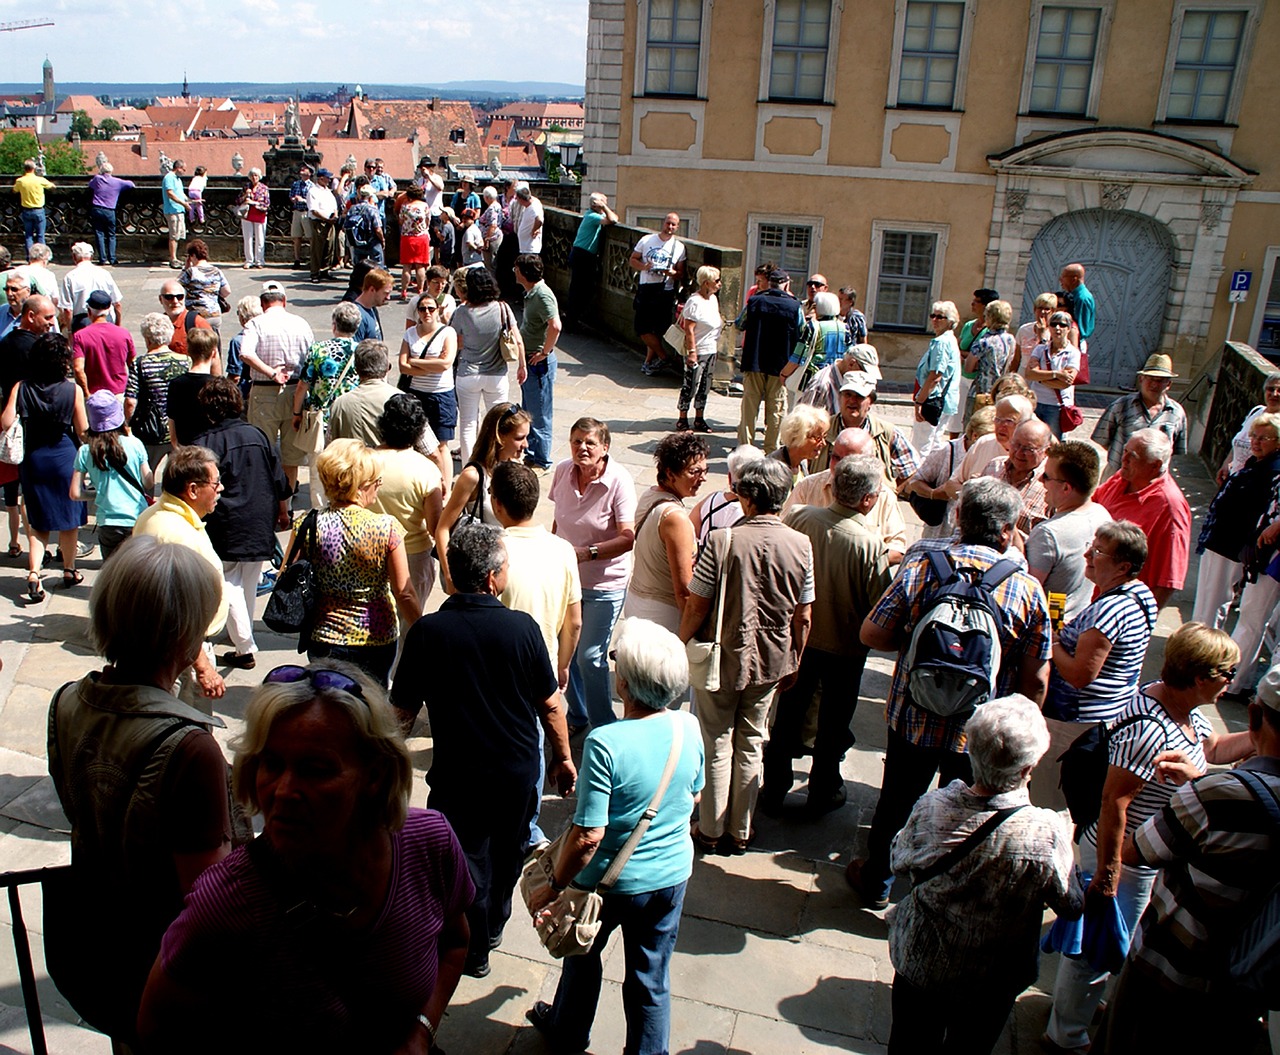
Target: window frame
point(642, 54)
point(962, 59)
point(1106, 15)
point(638, 216)
point(1252, 10)
point(766, 57)
point(879, 228)
point(756, 220)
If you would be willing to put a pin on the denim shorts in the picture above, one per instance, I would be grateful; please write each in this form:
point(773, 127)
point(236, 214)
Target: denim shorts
point(441, 409)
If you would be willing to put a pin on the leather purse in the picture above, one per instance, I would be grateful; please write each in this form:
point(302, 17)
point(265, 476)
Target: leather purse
point(291, 607)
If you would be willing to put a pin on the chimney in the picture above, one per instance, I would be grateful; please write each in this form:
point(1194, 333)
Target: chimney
point(142, 142)
point(435, 102)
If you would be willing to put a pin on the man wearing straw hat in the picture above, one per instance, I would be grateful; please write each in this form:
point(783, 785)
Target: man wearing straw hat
point(1148, 408)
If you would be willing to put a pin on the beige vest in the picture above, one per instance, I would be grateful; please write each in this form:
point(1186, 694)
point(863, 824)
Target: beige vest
point(651, 574)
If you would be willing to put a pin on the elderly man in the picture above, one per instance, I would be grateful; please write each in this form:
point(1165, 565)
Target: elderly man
point(857, 399)
point(884, 517)
point(322, 208)
point(824, 390)
point(1056, 547)
point(1144, 493)
point(660, 259)
point(192, 485)
point(813, 285)
point(300, 220)
point(1148, 408)
point(529, 223)
point(79, 282)
point(771, 324)
point(540, 328)
point(1022, 468)
point(584, 257)
point(173, 205)
point(850, 572)
point(38, 272)
point(17, 288)
point(30, 189)
point(101, 351)
point(922, 743)
point(1078, 301)
point(964, 944)
point(1011, 412)
point(484, 673)
point(172, 303)
point(273, 347)
point(104, 196)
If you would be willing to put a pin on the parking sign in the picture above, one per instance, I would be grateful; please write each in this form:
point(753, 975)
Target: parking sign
point(1240, 281)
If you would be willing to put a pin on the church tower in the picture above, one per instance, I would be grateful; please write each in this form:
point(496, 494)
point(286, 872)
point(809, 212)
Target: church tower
point(50, 95)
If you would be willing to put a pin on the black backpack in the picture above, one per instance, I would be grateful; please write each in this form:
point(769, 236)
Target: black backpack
point(1083, 768)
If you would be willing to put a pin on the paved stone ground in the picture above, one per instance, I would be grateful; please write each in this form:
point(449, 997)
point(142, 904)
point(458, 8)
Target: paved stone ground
point(774, 953)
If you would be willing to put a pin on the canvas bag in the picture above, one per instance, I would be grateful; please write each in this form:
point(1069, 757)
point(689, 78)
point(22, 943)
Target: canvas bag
point(704, 656)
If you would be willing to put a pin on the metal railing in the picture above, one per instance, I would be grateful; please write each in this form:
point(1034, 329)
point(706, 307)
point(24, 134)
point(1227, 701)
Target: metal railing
point(22, 946)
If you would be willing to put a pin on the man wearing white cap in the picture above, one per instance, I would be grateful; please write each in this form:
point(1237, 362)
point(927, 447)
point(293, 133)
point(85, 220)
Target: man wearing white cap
point(1148, 408)
point(857, 397)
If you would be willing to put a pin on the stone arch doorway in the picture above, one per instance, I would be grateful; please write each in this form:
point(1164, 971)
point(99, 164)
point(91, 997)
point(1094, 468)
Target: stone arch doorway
point(1128, 258)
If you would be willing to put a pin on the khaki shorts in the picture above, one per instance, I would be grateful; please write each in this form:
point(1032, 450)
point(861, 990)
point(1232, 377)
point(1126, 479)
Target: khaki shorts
point(271, 409)
point(300, 225)
point(177, 223)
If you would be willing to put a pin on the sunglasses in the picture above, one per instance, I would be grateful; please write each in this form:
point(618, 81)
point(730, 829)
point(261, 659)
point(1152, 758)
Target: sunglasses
point(937, 315)
point(1226, 672)
point(172, 296)
point(512, 410)
point(428, 307)
point(819, 285)
point(321, 678)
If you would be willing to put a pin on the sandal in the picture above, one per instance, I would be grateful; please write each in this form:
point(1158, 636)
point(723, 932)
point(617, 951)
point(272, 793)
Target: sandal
point(35, 592)
point(700, 425)
point(72, 577)
point(15, 550)
point(682, 425)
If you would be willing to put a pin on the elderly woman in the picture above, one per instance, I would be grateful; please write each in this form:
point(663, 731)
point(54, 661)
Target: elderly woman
point(329, 368)
point(722, 508)
point(964, 942)
point(937, 395)
point(146, 393)
point(1032, 333)
point(140, 839)
point(1237, 522)
point(51, 409)
point(990, 355)
point(410, 489)
point(622, 766)
point(361, 569)
point(664, 546)
point(1240, 447)
point(490, 224)
point(761, 573)
point(1052, 371)
point(348, 908)
point(256, 199)
point(595, 511)
point(482, 370)
point(204, 283)
point(701, 322)
point(828, 335)
point(1160, 738)
point(254, 505)
point(246, 308)
point(803, 434)
point(428, 352)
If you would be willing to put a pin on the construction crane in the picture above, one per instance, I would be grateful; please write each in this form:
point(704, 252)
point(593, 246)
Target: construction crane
point(25, 23)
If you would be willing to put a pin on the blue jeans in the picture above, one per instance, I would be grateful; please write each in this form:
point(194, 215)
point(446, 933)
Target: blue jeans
point(650, 923)
point(589, 698)
point(1050, 414)
point(33, 227)
point(104, 232)
point(536, 394)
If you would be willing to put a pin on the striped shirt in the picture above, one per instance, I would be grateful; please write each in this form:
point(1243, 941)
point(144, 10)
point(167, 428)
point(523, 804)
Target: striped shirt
point(1128, 414)
point(1134, 749)
point(1125, 616)
point(1212, 842)
point(1025, 636)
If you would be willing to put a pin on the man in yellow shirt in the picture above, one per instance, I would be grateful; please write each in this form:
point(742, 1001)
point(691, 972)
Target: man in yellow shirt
point(30, 189)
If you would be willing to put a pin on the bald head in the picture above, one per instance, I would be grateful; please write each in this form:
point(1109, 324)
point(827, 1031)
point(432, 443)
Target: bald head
point(853, 442)
point(172, 297)
point(1072, 276)
point(38, 314)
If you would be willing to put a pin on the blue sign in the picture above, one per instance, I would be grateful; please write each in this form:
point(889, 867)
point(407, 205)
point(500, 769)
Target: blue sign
point(1240, 281)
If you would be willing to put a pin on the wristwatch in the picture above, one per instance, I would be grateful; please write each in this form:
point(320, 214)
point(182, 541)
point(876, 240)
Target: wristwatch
point(593, 552)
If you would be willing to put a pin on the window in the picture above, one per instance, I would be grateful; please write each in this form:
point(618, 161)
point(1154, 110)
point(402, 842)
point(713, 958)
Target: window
point(801, 31)
point(1205, 65)
point(904, 287)
point(1065, 53)
point(673, 49)
point(787, 245)
point(930, 55)
point(652, 220)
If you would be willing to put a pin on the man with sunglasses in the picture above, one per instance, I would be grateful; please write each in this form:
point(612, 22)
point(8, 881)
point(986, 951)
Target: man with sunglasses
point(814, 285)
point(173, 303)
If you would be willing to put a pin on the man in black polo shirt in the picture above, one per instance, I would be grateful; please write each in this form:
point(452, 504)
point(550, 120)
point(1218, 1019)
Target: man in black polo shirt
point(484, 674)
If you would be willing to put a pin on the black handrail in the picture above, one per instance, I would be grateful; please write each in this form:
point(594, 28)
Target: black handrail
point(22, 946)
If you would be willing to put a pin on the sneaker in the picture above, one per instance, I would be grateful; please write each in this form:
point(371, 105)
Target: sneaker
point(175, 264)
point(83, 549)
point(649, 369)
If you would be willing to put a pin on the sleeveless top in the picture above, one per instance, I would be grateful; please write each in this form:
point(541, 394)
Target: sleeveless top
point(651, 575)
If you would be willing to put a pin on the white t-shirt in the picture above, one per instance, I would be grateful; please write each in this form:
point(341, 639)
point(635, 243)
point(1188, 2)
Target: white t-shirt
point(1068, 358)
point(707, 323)
point(662, 256)
point(321, 200)
point(529, 215)
point(429, 348)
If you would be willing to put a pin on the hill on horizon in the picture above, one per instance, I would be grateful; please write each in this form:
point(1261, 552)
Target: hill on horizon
point(268, 91)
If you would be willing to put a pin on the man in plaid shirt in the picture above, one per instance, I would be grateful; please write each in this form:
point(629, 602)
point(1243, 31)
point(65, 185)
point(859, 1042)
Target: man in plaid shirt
point(922, 744)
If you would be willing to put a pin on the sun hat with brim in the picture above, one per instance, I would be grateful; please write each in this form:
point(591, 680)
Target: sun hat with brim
point(1269, 689)
point(1158, 366)
point(104, 411)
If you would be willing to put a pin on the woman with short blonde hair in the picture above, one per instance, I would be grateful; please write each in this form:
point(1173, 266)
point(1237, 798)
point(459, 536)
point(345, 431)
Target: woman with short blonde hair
point(937, 396)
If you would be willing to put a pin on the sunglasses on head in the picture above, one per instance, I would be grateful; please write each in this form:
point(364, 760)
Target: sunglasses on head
point(512, 410)
point(321, 678)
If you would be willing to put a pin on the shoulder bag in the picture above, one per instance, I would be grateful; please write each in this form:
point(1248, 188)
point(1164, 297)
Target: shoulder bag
point(957, 853)
point(12, 445)
point(310, 435)
point(568, 925)
point(291, 608)
point(933, 511)
point(136, 484)
point(1069, 417)
point(406, 380)
point(704, 656)
point(509, 338)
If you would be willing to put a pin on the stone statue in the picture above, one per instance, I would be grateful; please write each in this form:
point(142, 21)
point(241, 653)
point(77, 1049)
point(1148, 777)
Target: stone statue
point(292, 126)
point(166, 163)
point(495, 166)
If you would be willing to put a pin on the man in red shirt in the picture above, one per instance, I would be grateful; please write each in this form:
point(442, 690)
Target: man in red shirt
point(173, 304)
point(1144, 493)
point(101, 351)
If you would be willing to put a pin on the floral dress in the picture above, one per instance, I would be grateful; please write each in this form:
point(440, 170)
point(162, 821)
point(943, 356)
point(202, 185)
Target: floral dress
point(322, 369)
point(994, 351)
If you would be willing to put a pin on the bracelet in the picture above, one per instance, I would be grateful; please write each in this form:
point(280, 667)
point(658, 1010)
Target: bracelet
point(425, 1023)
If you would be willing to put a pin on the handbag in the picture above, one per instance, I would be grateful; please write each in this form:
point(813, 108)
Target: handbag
point(508, 339)
point(12, 444)
point(148, 423)
point(675, 336)
point(704, 656)
point(291, 607)
point(568, 925)
point(1069, 416)
point(931, 408)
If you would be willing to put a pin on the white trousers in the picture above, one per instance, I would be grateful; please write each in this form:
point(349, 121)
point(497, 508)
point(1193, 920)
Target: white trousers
point(470, 388)
point(1215, 588)
point(1256, 625)
point(242, 595)
point(255, 240)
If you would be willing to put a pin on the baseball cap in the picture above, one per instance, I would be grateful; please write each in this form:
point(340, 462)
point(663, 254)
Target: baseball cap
point(273, 287)
point(857, 382)
point(779, 276)
point(867, 358)
point(1269, 689)
point(99, 300)
point(104, 410)
point(325, 173)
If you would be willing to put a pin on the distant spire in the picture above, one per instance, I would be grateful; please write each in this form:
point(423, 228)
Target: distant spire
point(186, 90)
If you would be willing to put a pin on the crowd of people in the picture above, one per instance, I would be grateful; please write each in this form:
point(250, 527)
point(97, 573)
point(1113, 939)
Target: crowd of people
point(687, 646)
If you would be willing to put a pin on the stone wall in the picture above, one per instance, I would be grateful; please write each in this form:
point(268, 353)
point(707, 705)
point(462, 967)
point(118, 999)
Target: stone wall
point(1237, 389)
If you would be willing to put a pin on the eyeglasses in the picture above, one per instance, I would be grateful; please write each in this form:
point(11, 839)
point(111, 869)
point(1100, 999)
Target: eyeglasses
point(375, 482)
point(172, 296)
point(938, 315)
point(1008, 421)
point(1025, 449)
point(215, 483)
point(321, 678)
point(1099, 552)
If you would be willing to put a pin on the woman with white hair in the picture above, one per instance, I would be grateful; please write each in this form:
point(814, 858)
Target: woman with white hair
point(803, 434)
point(146, 392)
point(255, 200)
point(937, 395)
point(722, 509)
point(491, 226)
point(622, 766)
point(828, 336)
point(701, 322)
point(984, 863)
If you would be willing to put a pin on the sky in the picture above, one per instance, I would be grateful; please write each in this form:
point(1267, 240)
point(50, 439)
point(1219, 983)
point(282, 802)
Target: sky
point(298, 40)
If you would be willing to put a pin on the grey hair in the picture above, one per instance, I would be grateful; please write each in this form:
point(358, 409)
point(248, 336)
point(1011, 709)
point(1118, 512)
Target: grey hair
point(1004, 737)
point(248, 308)
point(156, 329)
point(652, 662)
point(1024, 407)
point(598, 200)
point(1130, 542)
point(81, 251)
point(106, 168)
point(346, 319)
point(802, 421)
point(947, 308)
point(255, 171)
point(987, 507)
point(765, 484)
point(153, 602)
point(40, 251)
point(372, 358)
point(1155, 446)
point(856, 478)
point(826, 304)
point(741, 457)
point(475, 550)
point(490, 193)
point(1270, 379)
